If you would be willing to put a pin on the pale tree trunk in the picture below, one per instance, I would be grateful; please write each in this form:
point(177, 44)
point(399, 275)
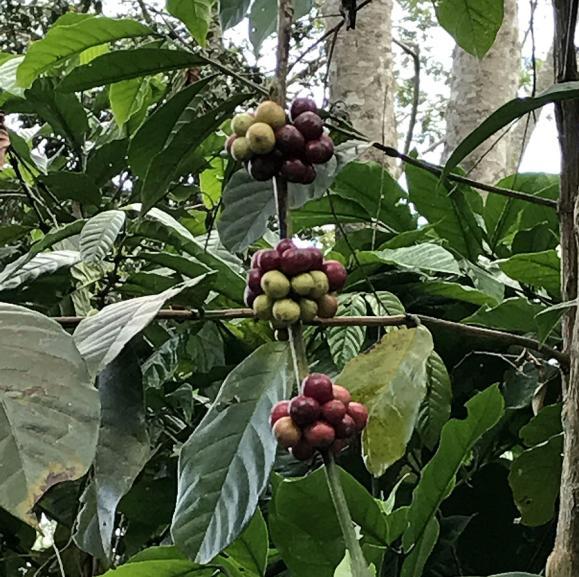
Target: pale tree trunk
point(564, 561)
point(478, 88)
point(361, 72)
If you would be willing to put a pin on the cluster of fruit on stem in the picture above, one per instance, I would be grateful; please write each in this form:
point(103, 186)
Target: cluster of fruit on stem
point(288, 284)
point(323, 417)
point(272, 144)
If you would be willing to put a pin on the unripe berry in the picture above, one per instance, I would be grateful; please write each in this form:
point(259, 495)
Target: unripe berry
point(303, 451)
point(275, 284)
point(260, 138)
point(342, 394)
point(320, 435)
point(359, 414)
point(286, 311)
point(345, 428)
point(240, 149)
point(336, 273)
point(285, 244)
point(309, 310)
point(269, 260)
point(241, 122)
point(327, 307)
point(303, 284)
point(287, 433)
point(319, 387)
point(321, 284)
point(262, 307)
point(304, 410)
point(278, 411)
point(333, 411)
point(254, 280)
point(271, 113)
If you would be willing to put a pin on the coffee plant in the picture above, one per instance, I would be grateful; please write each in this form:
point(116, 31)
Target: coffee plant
point(231, 345)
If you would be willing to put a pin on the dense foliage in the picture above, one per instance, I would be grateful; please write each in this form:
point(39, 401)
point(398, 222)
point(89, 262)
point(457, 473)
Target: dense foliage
point(118, 202)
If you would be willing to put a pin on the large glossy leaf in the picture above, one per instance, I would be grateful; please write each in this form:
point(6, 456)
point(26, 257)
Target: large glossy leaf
point(126, 98)
point(328, 210)
point(438, 477)
point(505, 115)
point(250, 549)
point(8, 81)
point(414, 563)
point(62, 42)
point(427, 257)
point(107, 161)
point(195, 14)
point(26, 269)
point(127, 64)
point(99, 234)
point(346, 342)
point(122, 450)
point(49, 410)
point(435, 410)
point(190, 135)
point(73, 186)
point(539, 269)
point(232, 12)
point(225, 464)
point(456, 291)
point(391, 380)
point(448, 210)
point(305, 528)
point(247, 206)
point(474, 24)
point(101, 338)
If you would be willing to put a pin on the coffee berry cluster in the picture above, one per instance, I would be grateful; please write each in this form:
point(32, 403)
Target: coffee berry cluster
point(323, 417)
point(288, 284)
point(269, 145)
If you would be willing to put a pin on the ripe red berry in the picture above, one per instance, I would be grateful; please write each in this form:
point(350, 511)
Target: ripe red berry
point(345, 428)
point(287, 433)
point(359, 414)
point(269, 260)
point(310, 125)
point(279, 411)
point(285, 244)
point(254, 280)
point(229, 143)
point(255, 259)
point(303, 451)
point(263, 167)
point(336, 274)
point(342, 394)
point(301, 105)
point(294, 170)
point(319, 387)
point(319, 151)
point(309, 174)
point(316, 258)
point(249, 297)
point(304, 410)
point(320, 435)
point(295, 261)
point(333, 411)
point(290, 140)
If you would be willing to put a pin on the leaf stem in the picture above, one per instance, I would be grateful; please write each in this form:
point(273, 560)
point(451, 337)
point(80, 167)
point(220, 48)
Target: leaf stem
point(358, 561)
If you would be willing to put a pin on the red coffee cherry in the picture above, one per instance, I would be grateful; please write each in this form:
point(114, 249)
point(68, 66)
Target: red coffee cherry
point(301, 105)
point(342, 394)
point(345, 428)
point(359, 414)
point(333, 411)
point(320, 435)
point(316, 257)
point(249, 297)
point(254, 280)
point(290, 140)
point(319, 387)
point(303, 451)
point(310, 125)
point(295, 261)
point(279, 411)
point(319, 151)
point(269, 260)
point(285, 244)
point(304, 410)
point(336, 273)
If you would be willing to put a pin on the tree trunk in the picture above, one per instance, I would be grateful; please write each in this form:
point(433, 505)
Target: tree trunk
point(361, 72)
point(564, 561)
point(478, 88)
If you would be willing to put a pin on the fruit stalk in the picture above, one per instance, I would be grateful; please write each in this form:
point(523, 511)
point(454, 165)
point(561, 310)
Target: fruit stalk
point(357, 559)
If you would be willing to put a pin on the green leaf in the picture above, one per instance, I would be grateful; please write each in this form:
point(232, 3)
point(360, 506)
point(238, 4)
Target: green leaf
point(49, 410)
point(438, 477)
point(384, 303)
point(247, 207)
point(122, 450)
point(195, 14)
point(125, 98)
point(73, 186)
point(450, 213)
point(99, 235)
point(474, 24)
point(414, 563)
point(26, 269)
point(539, 269)
point(107, 161)
point(535, 479)
point(371, 186)
point(160, 127)
point(435, 410)
point(505, 115)
point(391, 380)
point(191, 134)
point(250, 549)
point(101, 337)
point(63, 42)
point(346, 342)
point(329, 210)
point(232, 12)
point(456, 291)
point(160, 367)
point(184, 265)
point(426, 256)
point(305, 528)
point(205, 349)
point(126, 65)
point(8, 70)
point(225, 464)
point(546, 424)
